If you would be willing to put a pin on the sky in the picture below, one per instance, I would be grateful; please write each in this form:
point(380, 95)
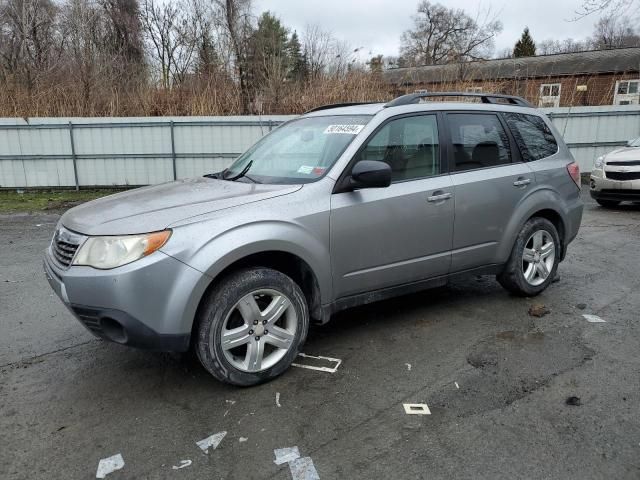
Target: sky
point(377, 25)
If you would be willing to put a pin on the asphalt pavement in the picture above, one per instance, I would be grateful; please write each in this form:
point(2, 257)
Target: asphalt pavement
point(511, 395)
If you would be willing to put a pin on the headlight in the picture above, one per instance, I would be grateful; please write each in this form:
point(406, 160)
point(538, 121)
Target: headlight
point(599, 162)
point(112, 252)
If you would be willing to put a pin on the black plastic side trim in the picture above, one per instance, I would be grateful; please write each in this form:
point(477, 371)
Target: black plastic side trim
point(405, 289)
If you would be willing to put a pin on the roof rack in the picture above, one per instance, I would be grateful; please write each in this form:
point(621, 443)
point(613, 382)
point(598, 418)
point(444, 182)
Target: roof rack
point(494, 98)
point(336, 105)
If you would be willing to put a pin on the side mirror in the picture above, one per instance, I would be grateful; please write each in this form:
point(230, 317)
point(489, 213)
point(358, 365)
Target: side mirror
point(370, 174)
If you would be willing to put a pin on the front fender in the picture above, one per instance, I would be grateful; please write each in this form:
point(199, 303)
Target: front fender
point(229, 246)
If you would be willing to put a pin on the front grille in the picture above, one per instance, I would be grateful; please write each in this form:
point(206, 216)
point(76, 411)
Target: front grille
point(623, 175)
point(64, 246)
point(622, 164)
point(64, 252)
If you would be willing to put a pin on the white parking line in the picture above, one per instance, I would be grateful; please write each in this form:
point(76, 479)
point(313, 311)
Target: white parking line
point(416, 409)
point(333, 369)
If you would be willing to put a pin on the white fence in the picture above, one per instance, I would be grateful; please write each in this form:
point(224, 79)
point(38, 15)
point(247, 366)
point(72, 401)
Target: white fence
point(67, 152)
point(593, 131)
point(81, 152)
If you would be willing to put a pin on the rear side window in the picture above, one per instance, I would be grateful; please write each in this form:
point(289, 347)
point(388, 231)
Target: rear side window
point(533, 136)
point(479, 141)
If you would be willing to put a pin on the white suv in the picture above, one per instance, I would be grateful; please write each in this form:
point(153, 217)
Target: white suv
point(616, 176)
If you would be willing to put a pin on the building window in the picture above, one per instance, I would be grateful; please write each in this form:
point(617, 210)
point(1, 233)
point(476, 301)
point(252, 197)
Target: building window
point(627, 92)
point(550, 95)
point(473, 90)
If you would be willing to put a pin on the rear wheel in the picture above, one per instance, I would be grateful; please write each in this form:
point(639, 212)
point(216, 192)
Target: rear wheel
point(252, 326)
point(534, 259)
point(608, 203)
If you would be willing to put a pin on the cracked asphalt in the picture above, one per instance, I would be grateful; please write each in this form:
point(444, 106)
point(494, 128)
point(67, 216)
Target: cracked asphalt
point(67, 400)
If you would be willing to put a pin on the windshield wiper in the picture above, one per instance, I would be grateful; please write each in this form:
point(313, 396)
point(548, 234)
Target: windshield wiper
point(243, 173)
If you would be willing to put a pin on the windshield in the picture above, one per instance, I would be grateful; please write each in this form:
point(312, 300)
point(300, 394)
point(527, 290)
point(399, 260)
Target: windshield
point(634, 143)
point(300, 151)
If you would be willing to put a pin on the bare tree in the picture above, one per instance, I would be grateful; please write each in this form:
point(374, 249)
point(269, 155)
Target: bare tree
point(318, 49)
point(172, 33)
point(568, 45)
point(29, 42)
point(614, 32)
point(596, 6)
point(123, 41)
point(83, 55)
point(235, 28)
point(441, 34)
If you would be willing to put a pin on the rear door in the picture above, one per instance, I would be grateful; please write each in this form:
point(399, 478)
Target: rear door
point(489, 181)
point(382, 237)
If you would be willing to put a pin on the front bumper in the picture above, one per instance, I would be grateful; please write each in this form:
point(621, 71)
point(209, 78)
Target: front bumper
point(602, 188)
point(150, 303)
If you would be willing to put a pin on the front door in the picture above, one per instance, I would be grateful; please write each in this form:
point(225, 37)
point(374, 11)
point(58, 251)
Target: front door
point(382, 237)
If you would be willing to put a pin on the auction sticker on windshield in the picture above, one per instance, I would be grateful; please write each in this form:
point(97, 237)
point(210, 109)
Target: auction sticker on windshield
point(306, 169)
point(350, 129)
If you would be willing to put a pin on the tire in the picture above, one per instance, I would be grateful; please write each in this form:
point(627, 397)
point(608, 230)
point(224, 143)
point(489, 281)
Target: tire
point(608, 203)
point(258, 294)
point(514, 276)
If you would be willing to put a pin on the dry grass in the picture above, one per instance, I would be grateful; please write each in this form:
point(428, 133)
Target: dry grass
point(198, 98)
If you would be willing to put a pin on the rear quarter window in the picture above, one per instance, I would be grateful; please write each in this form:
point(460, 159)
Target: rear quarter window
point(533, 136)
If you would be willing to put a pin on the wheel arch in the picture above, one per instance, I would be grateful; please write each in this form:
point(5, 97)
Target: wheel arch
point(285, 262)
point(542, 203)
point(556, 219)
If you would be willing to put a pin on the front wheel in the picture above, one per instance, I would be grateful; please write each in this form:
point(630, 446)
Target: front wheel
point(251, 327)
point(534, 259)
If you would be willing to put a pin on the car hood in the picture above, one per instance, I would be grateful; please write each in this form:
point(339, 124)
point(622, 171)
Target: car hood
point(153, 208)
point(625, 154)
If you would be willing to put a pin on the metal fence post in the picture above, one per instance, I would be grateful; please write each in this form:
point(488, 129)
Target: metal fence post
point(73, 156)
point(173, 152)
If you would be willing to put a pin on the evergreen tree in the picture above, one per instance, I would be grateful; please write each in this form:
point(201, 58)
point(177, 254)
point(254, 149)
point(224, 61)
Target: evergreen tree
point(525, 47)
point(207, 62)
point(376, 64)
point(299, 70)
point(268, 56)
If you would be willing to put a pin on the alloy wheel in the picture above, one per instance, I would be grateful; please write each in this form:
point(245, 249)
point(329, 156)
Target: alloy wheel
point(538, 257)
point(259, 330)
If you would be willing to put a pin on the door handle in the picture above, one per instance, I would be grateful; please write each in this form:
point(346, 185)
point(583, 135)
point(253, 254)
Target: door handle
point(522, 182)
point(440, 197)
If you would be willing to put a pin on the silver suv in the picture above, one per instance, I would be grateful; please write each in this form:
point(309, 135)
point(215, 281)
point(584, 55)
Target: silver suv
point(343, 206)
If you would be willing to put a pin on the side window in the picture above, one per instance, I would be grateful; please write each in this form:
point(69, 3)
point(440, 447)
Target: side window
point(409, 145)
point(533, 136)
point(479, 141)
